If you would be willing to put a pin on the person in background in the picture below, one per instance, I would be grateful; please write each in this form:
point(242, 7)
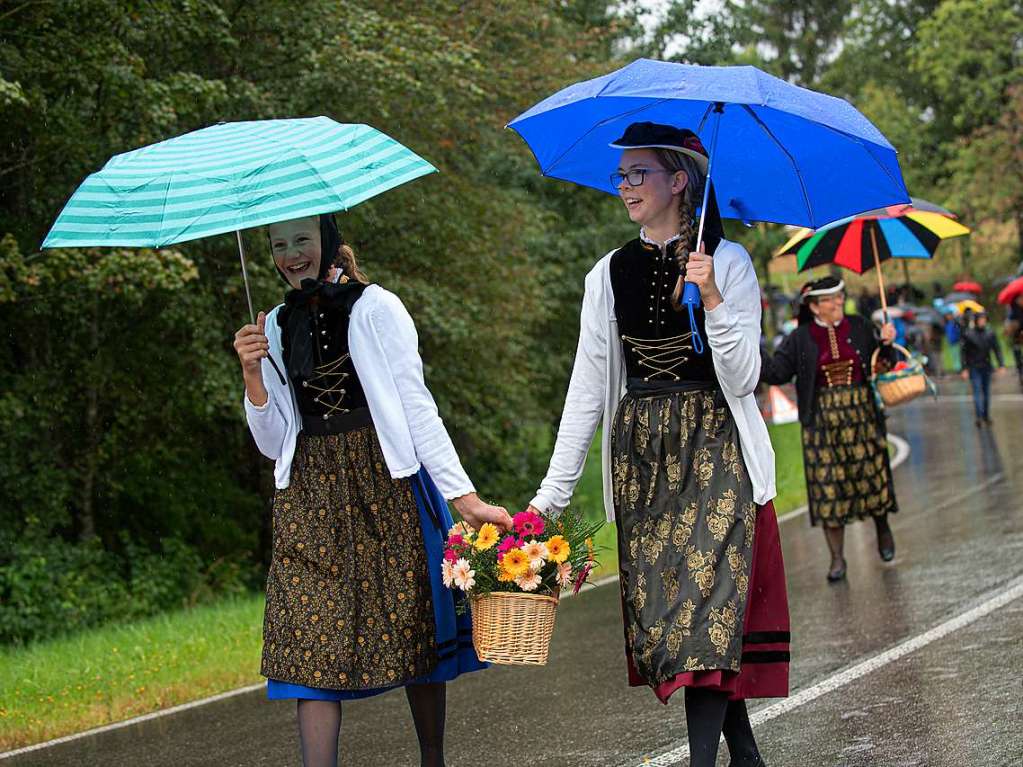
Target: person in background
point(953, 334)
point(979, 343)
point(1014, 333)
point(845, 447)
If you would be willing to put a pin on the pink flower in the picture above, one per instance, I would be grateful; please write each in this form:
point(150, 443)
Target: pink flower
point(456, 540)
point(527, 523)
point(507, 544)
point(581, 578)
point(450, 555)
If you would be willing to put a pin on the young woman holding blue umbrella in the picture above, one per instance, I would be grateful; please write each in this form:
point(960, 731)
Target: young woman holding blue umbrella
point(689, 459)
point(355, 606)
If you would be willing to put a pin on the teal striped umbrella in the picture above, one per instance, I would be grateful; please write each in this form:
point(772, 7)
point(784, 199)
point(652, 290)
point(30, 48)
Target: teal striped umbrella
point(229, 177)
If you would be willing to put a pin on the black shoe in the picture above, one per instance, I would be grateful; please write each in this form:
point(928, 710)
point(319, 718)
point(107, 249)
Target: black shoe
point(886, 545)
point(834, 576)
point(978, 422)
point(987, 421)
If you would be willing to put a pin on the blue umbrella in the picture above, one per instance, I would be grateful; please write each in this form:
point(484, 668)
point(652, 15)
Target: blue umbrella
point(779, 153)
point(229, 177)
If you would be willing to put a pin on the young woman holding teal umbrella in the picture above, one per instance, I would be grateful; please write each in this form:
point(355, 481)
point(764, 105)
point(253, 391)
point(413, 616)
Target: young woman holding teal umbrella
point(691, 467)
point(364, 467)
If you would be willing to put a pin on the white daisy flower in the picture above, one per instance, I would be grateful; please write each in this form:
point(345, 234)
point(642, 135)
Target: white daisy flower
point(463, 576)
point(529, 582)
point(537, 553)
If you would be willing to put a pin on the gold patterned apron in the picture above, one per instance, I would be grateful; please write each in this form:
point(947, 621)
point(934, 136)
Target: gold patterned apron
point(685, 515)
point(348, 598)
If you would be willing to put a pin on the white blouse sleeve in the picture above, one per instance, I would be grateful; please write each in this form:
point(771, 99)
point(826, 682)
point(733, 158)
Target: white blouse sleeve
point(267, 423)
point(584, 403)
point(395, 334)
point(733, 327)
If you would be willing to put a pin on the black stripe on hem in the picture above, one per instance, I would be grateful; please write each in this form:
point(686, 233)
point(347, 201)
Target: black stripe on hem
point(766, 637)
point(766, 656)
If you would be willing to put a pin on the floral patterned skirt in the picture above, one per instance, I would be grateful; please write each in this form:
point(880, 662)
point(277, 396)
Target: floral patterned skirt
point(348, 597)
point(686, 521)
point(845, 458)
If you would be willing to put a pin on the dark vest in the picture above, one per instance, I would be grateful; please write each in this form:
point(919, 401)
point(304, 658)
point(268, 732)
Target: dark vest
point(655, 336)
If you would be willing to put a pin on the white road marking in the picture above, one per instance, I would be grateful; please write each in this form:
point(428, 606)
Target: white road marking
point(901, 454)
point(1009, 593)
point(135, 720)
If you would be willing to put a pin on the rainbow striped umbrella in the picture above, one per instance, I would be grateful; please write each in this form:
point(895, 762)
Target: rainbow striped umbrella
point(860, 243)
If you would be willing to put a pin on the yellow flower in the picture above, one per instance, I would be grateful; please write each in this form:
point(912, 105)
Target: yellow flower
point(515, 562)
point(558, 549)
point(503, 575)
point(486, 537)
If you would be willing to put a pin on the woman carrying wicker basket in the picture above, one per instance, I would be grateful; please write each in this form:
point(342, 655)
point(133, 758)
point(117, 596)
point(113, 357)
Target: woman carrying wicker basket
point(845, 446)
point(688, 465)
point(354, 601)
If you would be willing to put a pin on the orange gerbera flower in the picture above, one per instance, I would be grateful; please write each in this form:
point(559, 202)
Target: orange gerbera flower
point(515, 562)
point(558, 548)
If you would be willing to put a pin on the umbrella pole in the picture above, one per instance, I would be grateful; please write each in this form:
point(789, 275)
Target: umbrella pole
point(245, 275)
point(880, 279)
point(248, 297)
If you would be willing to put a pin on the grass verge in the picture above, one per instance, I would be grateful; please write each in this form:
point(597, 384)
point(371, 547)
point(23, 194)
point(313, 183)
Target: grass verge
point(67, 685)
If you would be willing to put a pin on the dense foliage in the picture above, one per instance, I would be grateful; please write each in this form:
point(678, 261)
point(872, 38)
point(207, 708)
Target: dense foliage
point(128, 482)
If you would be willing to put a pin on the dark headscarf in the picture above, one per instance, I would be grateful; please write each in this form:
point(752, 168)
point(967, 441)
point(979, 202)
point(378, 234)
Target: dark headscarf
point(314, 295)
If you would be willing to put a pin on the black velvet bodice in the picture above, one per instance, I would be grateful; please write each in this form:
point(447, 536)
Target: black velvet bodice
point(656, 337)
point(324, 378)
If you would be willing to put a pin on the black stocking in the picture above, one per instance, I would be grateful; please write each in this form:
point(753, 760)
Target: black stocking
point(427, 703)
point(705, 717)
point(319, 723)
point(742, 746)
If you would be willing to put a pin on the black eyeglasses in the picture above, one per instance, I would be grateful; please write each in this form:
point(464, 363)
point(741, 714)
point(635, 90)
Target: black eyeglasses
point(635, 177)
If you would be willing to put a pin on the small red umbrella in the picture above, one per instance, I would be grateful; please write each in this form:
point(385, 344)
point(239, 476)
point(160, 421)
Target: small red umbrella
point(968, 286)
point(1011, 291)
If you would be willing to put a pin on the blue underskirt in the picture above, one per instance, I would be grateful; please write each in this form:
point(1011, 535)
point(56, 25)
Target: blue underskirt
point(454, 632)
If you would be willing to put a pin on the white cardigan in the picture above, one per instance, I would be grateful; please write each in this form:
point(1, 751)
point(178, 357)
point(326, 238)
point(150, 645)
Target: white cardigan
point(598, 379)
point(384, 346)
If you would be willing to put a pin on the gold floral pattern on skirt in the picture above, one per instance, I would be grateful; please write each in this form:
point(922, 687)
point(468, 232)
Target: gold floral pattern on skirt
point(685, 515)
point(348, 598)
point(845, 458)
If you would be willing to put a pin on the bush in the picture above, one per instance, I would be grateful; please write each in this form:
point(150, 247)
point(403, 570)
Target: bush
point(51, 587)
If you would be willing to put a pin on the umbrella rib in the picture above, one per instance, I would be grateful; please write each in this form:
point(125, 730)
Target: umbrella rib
point(792, 160)
point(600, 124)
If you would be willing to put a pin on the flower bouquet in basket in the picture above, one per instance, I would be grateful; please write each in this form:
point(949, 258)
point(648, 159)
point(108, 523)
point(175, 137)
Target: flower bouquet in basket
point(513, 580)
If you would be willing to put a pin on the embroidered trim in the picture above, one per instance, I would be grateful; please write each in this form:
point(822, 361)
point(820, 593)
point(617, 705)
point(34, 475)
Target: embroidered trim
point(662, 355)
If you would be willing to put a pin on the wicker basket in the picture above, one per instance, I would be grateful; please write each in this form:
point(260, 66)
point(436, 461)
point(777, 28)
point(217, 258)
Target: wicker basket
point(513, 629)
point(899, 386)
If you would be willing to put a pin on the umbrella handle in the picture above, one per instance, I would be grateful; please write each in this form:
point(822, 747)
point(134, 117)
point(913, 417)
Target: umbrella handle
point(691, 292)
point(248, 298)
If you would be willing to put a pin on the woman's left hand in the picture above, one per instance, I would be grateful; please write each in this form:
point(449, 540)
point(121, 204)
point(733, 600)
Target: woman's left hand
point(887, 333)
point(700, 272)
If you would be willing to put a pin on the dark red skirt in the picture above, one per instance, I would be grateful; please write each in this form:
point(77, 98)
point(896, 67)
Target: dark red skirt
point(764, 668)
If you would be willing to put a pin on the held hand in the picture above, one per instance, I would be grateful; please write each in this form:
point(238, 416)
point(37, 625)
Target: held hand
point(252, 346)
point(700, 272)
point(476, 512)
point(887, 333)
point(965, 375)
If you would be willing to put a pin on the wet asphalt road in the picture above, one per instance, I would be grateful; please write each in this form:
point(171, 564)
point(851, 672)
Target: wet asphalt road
point(956, 701)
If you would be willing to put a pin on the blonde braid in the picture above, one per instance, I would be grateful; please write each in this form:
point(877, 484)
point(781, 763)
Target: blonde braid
point(676, 161)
